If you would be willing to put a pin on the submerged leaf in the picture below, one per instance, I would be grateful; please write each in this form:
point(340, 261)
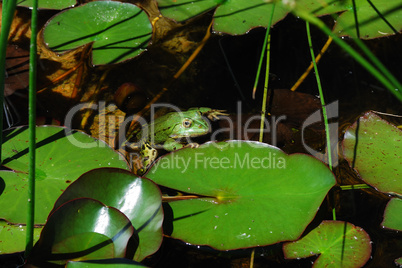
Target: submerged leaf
point(249, 193)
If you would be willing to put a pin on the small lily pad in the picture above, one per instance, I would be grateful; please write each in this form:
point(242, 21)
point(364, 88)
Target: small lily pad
point(137, 198)
point(82, 229)
point(245, 194)
point(117, 31)
point(393, 215)
point(338, 244)
point(373, 147)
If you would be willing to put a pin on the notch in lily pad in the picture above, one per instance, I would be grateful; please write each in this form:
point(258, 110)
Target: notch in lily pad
point(117, 31)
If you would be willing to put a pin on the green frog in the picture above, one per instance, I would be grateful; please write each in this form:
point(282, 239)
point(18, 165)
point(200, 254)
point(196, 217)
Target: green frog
point(170, 131)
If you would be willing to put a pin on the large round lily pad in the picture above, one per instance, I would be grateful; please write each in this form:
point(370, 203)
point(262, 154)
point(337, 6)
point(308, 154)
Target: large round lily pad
point(249, 193)
point(339, 244)
point(117, 31)
point(373, 147)
point(62, 155)
point(137, 198)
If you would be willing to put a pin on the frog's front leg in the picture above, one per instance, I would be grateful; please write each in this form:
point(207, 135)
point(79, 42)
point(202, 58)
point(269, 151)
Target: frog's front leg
point(148, 155)
point(172, 145)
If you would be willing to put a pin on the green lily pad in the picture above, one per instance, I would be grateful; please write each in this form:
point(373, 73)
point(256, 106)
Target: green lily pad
point(13, 237)
point(114, 263)
point(238, 17)
point(48, 4)
point(249, 193)
point(82, 229)
point(62, 155)
point(378, 155)
point(393, 215)
point(339, 244)
point(139, 199)
point(117, 31)
point(232, 17)
point(371, 25)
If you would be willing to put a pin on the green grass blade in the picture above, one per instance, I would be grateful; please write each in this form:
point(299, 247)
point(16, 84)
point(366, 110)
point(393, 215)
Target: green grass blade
point(382, 74)
point(32, 128)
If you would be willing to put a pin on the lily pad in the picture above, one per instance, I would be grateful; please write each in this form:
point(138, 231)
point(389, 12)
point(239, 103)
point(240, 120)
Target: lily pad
point(137, 198)
point(82, 229)
point(393, 215)
point(247, 194)
point(117, 31)
point(48, 4)
point(13, 237)
point(374, 148)
point(376, 18)
point(232, 17)
point(62, 155)
point(339, 244)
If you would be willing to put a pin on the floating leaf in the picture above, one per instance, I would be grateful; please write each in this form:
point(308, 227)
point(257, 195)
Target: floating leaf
point(62, 155)
point(393, 215)
point(339, 244)
point(249, 193)
point(139, 199)
point(13, 237)
point(118, 31)
point(232, 17)
point(376, 18)
point(48, 4)
point(82, 229)
point(378, 155)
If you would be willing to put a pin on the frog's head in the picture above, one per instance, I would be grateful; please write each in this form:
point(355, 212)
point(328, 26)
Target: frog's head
point(190, 127)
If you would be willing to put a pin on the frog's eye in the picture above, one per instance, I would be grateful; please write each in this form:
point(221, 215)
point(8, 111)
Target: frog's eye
point(187, 123)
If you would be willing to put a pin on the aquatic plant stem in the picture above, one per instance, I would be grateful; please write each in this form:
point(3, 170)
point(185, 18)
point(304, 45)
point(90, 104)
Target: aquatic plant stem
point(324, 110)
point(310, 67)
point(385, 77)
point(264, 98)
point(267, 44)
point(32, 128)
point(8, 10)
